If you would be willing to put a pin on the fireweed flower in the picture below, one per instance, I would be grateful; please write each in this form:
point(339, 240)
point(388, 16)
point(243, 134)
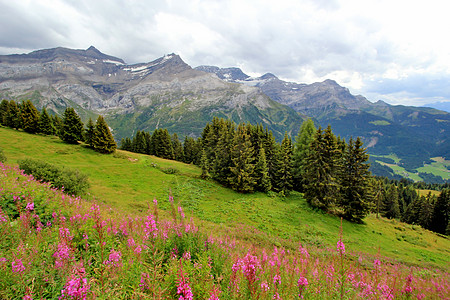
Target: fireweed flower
point(264, 286)
point(340, 247)
point(183, 288)
point(30, 206)
point(17, 266)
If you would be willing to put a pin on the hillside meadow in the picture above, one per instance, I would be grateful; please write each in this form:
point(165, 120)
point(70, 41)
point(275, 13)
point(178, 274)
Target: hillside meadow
point(130, 182)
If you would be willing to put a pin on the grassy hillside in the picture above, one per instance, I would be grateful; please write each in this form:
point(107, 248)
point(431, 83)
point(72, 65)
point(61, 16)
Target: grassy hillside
point(131, 181)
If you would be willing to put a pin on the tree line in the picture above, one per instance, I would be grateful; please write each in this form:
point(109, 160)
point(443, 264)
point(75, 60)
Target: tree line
point(69, 128)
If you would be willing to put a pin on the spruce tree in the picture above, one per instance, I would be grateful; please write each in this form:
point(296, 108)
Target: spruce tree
point(355, 184)
point(204, 165)
point(139, 143)
point(30, 117)
point(286, 165)
point(45, 123)
point(263, 183)
point(177, 148)
point(125, 144)
point(273, 154)
point(58, 125)
point(72, 128)
point(322, 171)
point(301, 152)
point(103, 141)
point(13, 118)
point(242, 178)
point(441, 212)
point(166, 147)
point(89, 133)
point(390, 206)
point(3, 110)
point(220, 166)
point(189, 150)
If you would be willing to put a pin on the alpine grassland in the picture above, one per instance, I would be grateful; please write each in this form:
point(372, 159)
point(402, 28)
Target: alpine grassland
point(150, 228)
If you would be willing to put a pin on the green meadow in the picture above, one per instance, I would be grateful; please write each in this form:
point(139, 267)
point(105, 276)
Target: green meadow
point(130, 182)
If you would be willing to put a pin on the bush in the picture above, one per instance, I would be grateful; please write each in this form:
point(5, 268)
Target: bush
point(2, 156)
point(73, 181)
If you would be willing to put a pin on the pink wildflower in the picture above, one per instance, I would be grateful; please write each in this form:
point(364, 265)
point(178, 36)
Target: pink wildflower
point(264, 286)
point(183, 288)
point(276, 279)
point(17, 266)
point(115, 258)
point(30, 206)
point(340, 247)
point(376, 263)
point(76, 287)
point(302, 281)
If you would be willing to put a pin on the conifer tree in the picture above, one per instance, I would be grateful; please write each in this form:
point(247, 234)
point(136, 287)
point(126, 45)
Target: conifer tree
point(3, 110)
point(177, 148)
point(89, 133)
point(72, 128)
point(263, 183)
point(45, 123)
point(102, 140)
point(273, 154)
point(166, 145)
point(189, 150)
point(30, 117)
point(426, 211)
point(286, 165)
point(220, 169)
point(321, 188)
point(441, 212)
point(148, 142)
point(204, 165)
point(355, 185)
point(139, 143)
point(390, 208)
point(301, 152)
point(125, 144)
point(58, 125)
point(13, 118)
point(242, 168)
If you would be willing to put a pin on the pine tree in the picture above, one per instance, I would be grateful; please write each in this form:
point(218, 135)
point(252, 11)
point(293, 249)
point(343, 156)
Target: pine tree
point(189, 149)
point(322, 171)
point(390, 206)
point(72, 129)
point(177, 148)
point(441, 212)
point(286, 165)
point(13, 118)
point(102, 140)
point(301, 152)
point(204, 165)
point(263, 183)
point(355, 185)
point(45, 123)
point(89, 133)
point(30, 117)
point(3, 110)
point(242, 168)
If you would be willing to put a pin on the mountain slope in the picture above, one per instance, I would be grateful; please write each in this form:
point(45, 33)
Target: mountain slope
point(414, 134)
point(163, 93)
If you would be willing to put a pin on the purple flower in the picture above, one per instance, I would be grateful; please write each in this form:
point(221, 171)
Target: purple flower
point(30, 206)
point(340, 247)
point(17, 266)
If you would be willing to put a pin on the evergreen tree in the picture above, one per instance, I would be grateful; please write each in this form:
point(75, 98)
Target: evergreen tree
point(45, 123)
point(412, 212)
point(273, 154)
point(301, 152)
point(321, 188)
point(3, 110)
point(139, 143)
point(263, 183)
point(58, 125)
point(204, 165)
point(30, 117)
point(89, 133)
point(242, 169)
point(189, 149)
point(103, 141)
point(426, 211)
point(355, 184)
point(166, 145)
point(390, 206)
point(72, 129)
point(13, 118)
point(177, 148)
point(220, 168)
point(126, 144)
point(441, 212)
point(286, 165)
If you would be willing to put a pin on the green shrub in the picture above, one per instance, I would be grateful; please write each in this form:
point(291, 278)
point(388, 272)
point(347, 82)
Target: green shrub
point(2, 156)
point(73, 181)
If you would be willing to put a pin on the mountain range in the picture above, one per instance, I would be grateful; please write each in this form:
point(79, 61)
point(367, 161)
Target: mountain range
point(168, 93)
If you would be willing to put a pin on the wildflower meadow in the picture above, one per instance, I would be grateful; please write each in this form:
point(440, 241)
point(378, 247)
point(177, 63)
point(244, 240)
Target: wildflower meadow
point(56, 246)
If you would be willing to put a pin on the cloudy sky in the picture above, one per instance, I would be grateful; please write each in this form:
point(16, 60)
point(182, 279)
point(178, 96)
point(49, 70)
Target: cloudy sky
point(394, 50)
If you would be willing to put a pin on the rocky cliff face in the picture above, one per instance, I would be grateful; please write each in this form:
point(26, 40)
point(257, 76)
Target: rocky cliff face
point(164, 92)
